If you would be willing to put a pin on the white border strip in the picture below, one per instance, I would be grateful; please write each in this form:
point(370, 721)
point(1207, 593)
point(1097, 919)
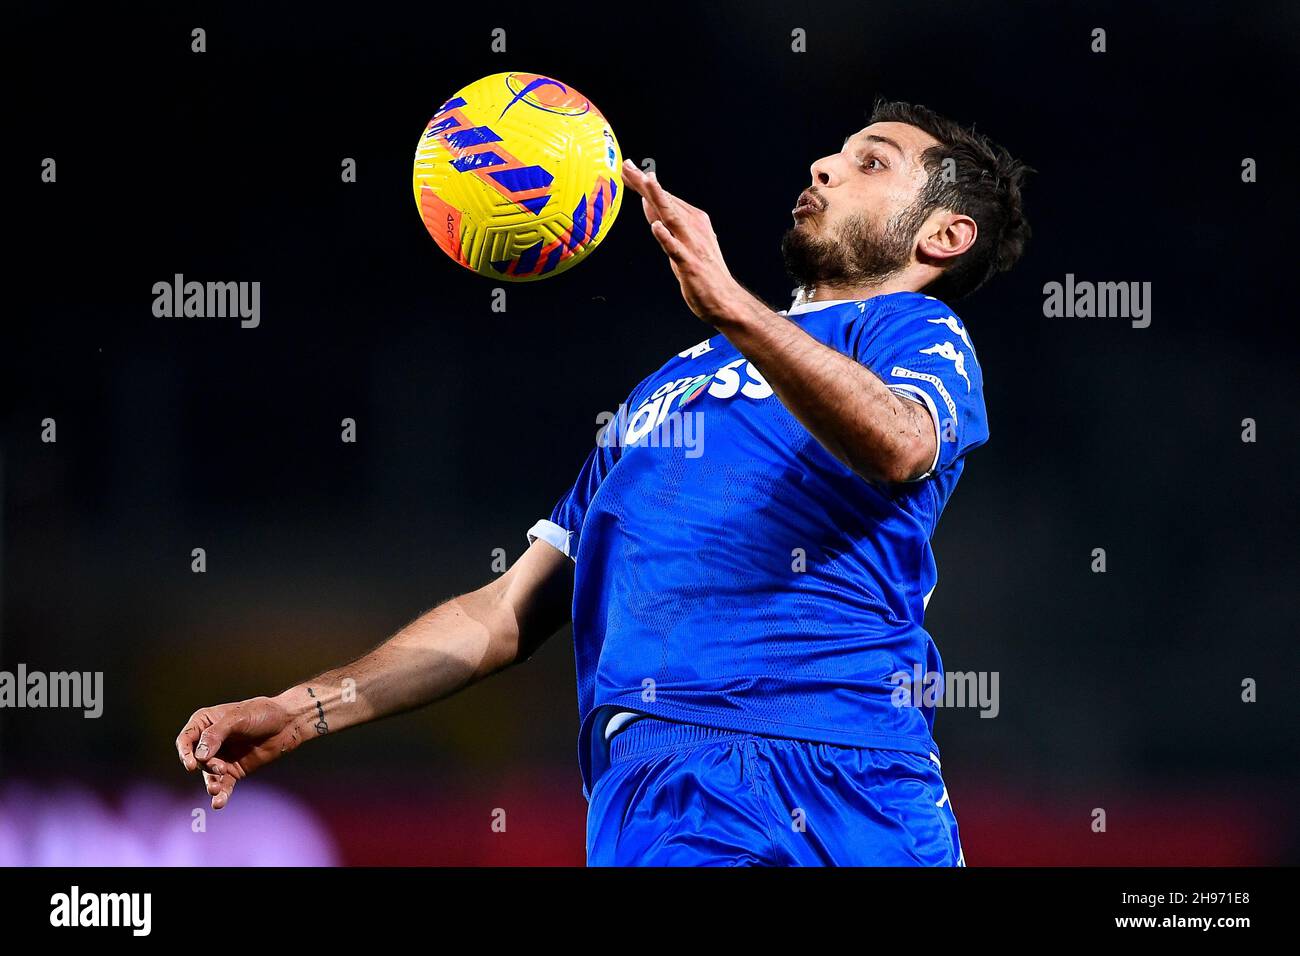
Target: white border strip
point(552, 534)
point(910, 392)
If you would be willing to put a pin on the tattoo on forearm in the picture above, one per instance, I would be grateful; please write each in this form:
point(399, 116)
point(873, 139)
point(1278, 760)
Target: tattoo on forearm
point(321, 726)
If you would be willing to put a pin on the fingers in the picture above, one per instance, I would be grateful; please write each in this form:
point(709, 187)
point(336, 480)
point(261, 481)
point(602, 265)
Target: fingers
point(215, 734)
point(648, 206)
point(199, 744)
point(633, 178)
point(202, 737)
point(219, 778)
point(188, 736)
point(651, 213)
point(667, 204)
point(680, 221)
point(185, 747)
point(219, 786)
point(639, 183)
point(667, 242)
point(656, 201)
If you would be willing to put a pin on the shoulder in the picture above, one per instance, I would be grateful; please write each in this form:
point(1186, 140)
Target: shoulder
point(914, 312)
point(909, 318)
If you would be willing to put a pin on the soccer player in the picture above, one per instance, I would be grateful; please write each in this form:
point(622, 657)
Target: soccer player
point(745, 555)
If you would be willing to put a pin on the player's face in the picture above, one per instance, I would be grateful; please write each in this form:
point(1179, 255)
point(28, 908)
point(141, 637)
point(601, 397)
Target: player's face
point(856, 223)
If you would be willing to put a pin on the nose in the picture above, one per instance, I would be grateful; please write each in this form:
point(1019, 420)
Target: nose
point(823, 171)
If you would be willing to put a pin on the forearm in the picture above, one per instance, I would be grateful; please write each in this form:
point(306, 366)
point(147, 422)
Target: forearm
point(844, 405)
point(437, 654)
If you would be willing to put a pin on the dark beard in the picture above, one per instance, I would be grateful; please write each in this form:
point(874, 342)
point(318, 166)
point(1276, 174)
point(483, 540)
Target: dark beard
point(858, 254)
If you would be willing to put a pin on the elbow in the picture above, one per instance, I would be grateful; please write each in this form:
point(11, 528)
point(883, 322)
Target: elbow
point(915, 461)
point(495, 641)
point(904, 461)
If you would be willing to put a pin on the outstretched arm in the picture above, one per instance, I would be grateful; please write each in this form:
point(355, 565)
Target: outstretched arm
point(450, 647)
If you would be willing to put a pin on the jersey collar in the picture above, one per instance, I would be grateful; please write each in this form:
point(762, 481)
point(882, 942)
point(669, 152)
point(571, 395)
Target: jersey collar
point(814, 306)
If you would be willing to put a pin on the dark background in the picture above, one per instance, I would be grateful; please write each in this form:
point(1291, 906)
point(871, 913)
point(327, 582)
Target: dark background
point(1118, 691)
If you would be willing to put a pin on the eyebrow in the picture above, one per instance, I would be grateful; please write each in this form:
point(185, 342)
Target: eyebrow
point(886, 140)
point(876, 138)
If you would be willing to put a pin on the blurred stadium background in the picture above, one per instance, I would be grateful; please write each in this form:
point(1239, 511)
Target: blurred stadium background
point(1118, 690)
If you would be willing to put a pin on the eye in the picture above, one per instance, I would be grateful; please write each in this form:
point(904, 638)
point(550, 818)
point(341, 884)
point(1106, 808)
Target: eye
point(866, 163)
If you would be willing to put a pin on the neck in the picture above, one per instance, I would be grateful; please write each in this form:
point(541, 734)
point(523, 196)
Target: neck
point(828, 291)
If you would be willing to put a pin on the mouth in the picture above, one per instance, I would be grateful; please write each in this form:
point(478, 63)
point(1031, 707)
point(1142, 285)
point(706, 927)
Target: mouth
point(807, 205)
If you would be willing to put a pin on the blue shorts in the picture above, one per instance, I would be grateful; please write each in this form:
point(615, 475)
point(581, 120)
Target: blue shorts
point(683, 795)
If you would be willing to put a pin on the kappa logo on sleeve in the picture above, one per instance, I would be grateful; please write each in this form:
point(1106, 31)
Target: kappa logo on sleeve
point(952, 354)
point(955, 328)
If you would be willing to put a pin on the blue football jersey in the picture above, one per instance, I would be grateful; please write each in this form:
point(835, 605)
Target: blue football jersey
point(733, 573)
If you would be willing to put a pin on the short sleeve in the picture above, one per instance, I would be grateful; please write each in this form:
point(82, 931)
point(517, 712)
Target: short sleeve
point(562, 529)
point(927, 356)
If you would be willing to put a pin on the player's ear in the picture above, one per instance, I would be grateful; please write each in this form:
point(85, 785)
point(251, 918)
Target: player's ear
point(946, 235)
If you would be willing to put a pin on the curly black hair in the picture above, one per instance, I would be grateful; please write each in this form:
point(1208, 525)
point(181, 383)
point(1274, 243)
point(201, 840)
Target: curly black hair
point(986, 186)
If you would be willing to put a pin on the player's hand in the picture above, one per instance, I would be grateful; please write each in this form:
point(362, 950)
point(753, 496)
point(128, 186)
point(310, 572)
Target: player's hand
point(687, 236)
point(230, 741)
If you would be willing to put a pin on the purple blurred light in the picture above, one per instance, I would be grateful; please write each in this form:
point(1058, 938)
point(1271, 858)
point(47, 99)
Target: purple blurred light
point(71, 825)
